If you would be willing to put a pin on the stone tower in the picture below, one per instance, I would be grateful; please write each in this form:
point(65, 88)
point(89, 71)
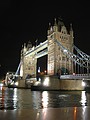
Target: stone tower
point(28, 61)
point(57, 60)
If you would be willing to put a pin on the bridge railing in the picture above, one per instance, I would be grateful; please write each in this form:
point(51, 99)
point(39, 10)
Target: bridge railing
point(76, 76)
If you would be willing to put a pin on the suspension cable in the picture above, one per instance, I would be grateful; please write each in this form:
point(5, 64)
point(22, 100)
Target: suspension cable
point(83, 55)
point(79, 60)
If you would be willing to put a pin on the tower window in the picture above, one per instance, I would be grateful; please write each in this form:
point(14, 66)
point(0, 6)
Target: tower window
point(63, 58)
point(51, 36)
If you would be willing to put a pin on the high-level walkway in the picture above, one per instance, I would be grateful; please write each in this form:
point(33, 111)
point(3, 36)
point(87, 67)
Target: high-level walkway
point(65, 113)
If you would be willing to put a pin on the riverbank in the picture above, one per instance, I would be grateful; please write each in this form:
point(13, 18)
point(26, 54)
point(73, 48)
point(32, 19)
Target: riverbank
point(54, 83)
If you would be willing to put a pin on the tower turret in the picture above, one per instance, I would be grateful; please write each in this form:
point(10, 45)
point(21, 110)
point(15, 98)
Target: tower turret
point(48, 32)
point(24, 49)
point(56, 58)
point(29, 45)
point(71, 30)
point(55, 27)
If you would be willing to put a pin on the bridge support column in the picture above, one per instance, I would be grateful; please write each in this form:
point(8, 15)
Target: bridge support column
point(29, 66)
point(60, 40)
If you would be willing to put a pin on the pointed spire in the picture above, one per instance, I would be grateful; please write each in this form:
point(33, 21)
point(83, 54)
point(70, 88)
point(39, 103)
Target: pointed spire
point(24, 44)
point(49, 26)
point(24, 47)
point(29, 45)
point(55, 22)
point(60, 22)
point(71, 30)
point(36, 41)
point(71, 27)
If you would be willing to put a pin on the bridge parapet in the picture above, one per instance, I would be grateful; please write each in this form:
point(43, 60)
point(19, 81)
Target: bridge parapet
point(77, 76)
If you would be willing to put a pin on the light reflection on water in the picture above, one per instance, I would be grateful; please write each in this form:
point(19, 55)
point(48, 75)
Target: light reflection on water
point(26, 99)
point(45, 99)
point(83, 98)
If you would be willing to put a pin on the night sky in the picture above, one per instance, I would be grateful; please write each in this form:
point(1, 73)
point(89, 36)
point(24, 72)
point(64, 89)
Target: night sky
point(29, 20)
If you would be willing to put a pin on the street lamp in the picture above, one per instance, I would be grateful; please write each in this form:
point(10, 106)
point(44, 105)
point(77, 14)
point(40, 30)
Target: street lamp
point(45, 71)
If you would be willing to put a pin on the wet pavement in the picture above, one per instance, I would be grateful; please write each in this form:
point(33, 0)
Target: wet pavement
point(24, 104)
point(65, 113)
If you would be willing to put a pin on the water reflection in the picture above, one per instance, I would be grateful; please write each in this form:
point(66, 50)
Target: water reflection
point(26, 99)
point(2, 97)
point(15, 98)
point(83, 98)
point(45, 99)
point(56, 99)
point(8, 98)
point(37, 101)
point(75, 113)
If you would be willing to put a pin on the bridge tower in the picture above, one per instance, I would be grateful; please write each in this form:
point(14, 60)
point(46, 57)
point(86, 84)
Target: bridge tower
point(28, 61)
point(57, 61)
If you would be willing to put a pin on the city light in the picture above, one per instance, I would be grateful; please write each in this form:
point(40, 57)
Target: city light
point(65, 50)
point(46, 81)
point(83, 98)
point(39, 70)
point(45, 71)
point(45, 99)
point(83, 83)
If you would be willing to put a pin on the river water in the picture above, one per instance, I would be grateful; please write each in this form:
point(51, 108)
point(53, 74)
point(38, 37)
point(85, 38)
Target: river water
point(14, 98)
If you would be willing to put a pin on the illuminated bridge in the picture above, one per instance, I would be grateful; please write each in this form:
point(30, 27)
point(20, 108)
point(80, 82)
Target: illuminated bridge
point(63, 57)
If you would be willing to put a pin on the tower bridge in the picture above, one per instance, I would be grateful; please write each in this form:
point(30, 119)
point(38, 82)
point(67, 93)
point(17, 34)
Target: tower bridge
point(62, 55)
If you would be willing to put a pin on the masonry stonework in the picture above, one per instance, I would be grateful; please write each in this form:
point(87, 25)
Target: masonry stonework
point(56, 59)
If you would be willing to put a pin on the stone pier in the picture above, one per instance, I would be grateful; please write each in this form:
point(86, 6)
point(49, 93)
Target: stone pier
point(53, 83)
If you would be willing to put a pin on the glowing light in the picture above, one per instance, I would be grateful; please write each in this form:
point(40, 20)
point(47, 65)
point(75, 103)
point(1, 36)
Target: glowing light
point(15, 94)
point(65, 50)
point(46, 81)
point(75, 112)
point(39, 70)
point(39, 79)
point(1, 84)
point(45, 71)
point(83, 112)
point(45, 99)
point(83, 83)
point(38, 114)
point(16, 83)
point(83, 98)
